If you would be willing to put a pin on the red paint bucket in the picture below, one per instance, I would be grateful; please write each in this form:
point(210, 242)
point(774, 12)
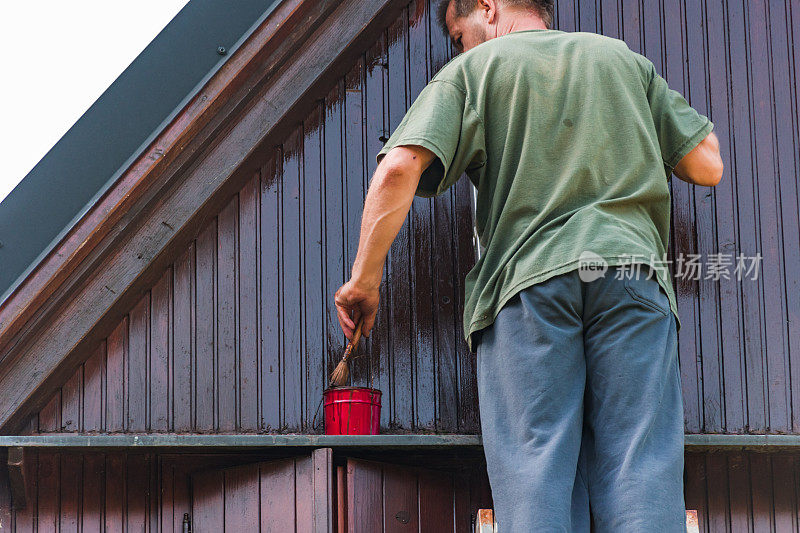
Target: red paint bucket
point(352, 411)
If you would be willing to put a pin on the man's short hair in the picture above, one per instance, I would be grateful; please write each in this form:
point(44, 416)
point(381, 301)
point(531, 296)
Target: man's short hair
point(543, 8)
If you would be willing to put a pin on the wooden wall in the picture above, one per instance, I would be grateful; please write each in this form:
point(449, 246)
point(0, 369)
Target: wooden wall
point(94, 492)
point(733, 492)
point(239, 333)
point(744, 491)
point(375, 496)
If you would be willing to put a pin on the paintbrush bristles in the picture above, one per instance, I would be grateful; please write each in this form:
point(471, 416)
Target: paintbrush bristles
point(340, 374)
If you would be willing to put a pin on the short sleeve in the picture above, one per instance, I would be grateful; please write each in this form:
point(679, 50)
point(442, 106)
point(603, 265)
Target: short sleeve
point(442, 120)
point(679, 127)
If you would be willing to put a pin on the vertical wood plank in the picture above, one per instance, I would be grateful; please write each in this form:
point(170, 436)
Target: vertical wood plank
point(137, 397)
point(248, 386)
point(364, 496)
point(116, 363)
point(50, 415)
point(401, 503)
point(695, 487)
point(785, 484)
point(94, 394)
point(468, 421)
point(304, 494)
point(401, 386)
point(183, 339)
point(422, 229)
point(48, 491)
point(322, 490)
point(761, 491)
point(717, 490)
point(436, 501)
point(292, 284)
point(227, 338)
point(241, 498)
point(314, 298)
point(271, 291)
point(115, 491)
point(160, 354)
point(137, 493)
point(25, 519)
point(376, 347)
point(208, 501)
point(739, 492)
point(278, 504)
point(70, 487)
point(71, 397)
point(205, 311)
point(354, 182)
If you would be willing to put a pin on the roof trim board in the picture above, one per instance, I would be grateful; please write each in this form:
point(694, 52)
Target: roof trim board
point(186, 183)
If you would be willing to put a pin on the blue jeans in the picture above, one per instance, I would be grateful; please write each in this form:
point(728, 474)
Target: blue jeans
point(580, 402)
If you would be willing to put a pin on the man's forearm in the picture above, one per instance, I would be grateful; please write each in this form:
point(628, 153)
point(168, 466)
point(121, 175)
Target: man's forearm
point(388, 201)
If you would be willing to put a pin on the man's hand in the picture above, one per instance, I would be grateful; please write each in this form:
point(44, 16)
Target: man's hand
point(353, 302)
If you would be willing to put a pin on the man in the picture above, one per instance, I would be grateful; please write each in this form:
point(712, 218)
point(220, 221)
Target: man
point(570, 140)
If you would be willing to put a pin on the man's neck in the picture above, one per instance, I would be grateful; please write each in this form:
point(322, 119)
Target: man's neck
point(519, 21)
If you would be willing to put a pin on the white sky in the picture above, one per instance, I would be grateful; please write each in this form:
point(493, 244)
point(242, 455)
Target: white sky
point(59, 57)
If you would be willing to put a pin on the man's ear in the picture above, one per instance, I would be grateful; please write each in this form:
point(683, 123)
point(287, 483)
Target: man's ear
point(488, 9)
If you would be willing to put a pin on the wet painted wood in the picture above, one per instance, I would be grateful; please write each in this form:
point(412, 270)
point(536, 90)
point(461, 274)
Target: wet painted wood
point(148, 238)
point(244, 320)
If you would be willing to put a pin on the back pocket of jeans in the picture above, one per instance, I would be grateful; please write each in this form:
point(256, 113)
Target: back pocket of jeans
point(638, 294)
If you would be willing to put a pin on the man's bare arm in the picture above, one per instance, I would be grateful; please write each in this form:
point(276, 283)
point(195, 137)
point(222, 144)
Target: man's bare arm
point(703, 165)
point(388, 201)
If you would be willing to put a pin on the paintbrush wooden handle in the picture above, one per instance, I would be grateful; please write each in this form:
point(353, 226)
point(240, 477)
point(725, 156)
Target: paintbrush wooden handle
point(356, 337)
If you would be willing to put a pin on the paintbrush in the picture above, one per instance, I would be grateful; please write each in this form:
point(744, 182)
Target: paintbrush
point(342, 371)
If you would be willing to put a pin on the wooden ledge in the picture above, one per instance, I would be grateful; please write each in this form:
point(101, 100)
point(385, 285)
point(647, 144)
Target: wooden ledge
point(173, 441)
point(421, 442)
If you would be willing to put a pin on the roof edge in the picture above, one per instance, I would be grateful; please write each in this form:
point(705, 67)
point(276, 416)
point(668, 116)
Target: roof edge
point(78, 238)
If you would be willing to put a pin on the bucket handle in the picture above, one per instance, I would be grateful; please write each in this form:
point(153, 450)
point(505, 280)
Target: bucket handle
point(316, 412)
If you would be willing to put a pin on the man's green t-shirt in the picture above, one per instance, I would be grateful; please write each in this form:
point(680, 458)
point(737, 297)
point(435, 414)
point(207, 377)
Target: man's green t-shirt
point(570, 139)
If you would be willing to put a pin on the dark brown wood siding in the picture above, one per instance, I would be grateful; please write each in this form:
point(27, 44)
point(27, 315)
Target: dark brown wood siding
point(734, 60)
point(377, 496)
point(744, 491)
point(121, 491)
point(240, 333)
point(97, 492)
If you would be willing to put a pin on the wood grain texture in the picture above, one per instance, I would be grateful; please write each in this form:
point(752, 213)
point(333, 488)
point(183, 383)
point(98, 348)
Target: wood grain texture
point(265, 496)
point(744, 491)
point(394, 498)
